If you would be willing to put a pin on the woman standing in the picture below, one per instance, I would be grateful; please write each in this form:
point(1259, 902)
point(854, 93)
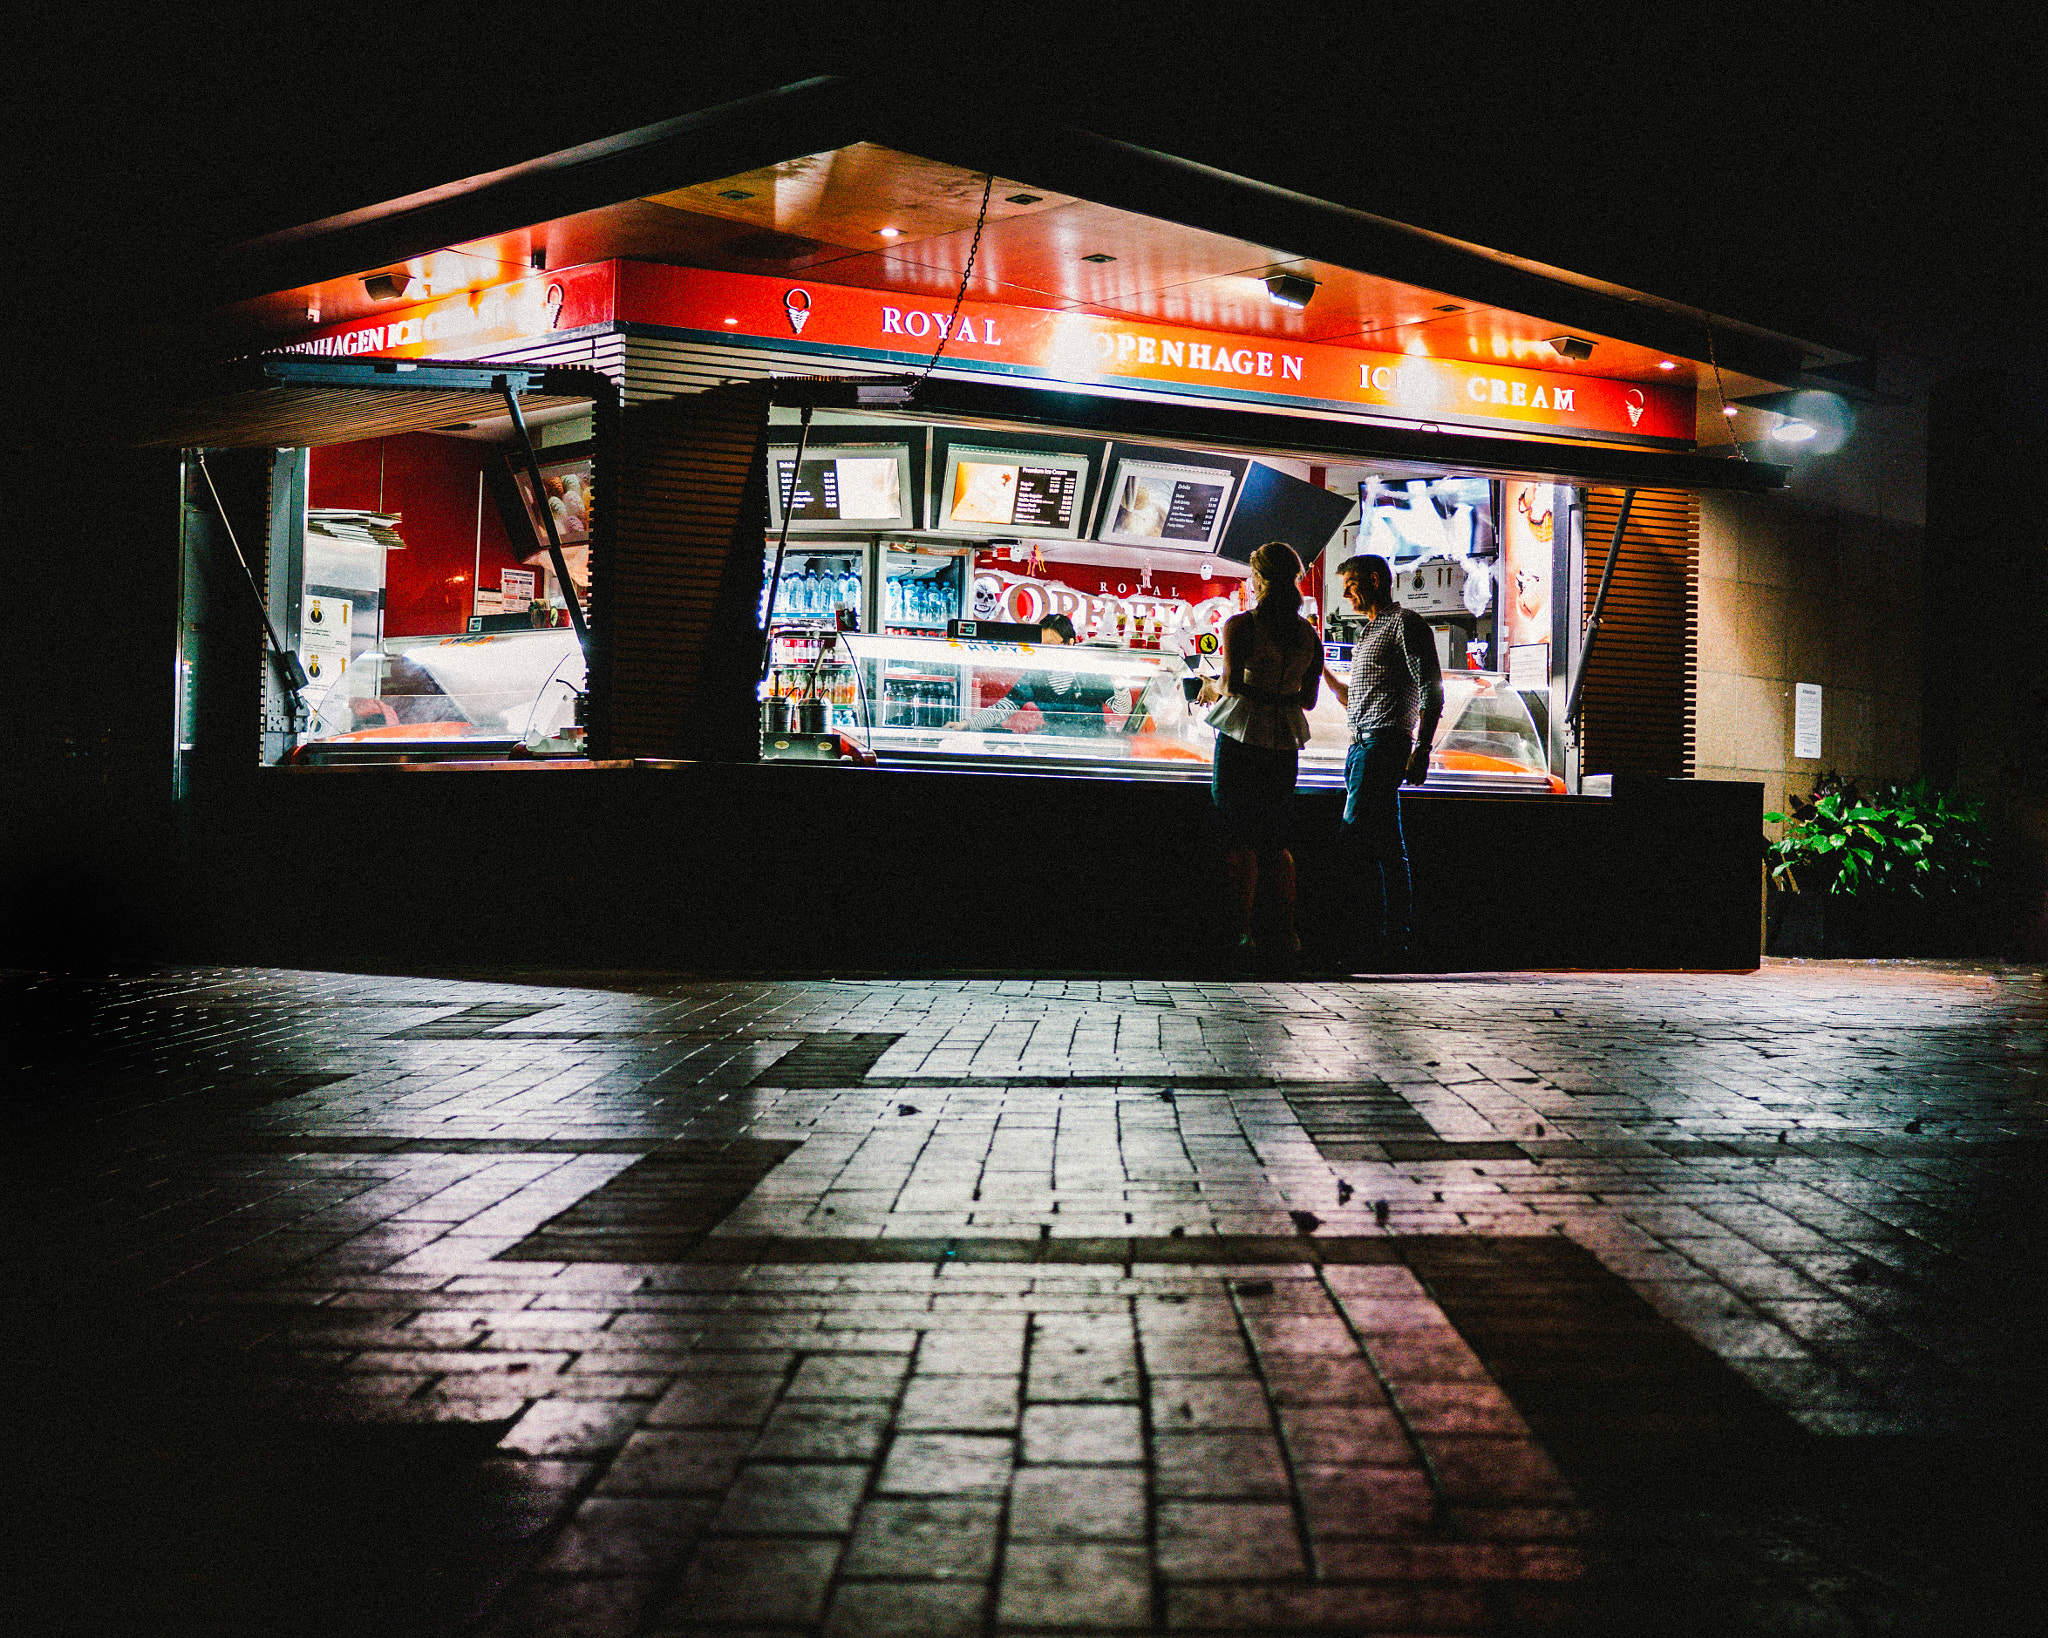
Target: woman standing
point(1272, 672)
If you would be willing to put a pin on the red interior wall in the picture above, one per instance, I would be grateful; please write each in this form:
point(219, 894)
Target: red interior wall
point(431, 483)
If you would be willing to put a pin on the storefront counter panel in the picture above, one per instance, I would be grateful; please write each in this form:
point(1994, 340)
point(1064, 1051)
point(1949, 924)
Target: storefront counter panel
point(722, 866)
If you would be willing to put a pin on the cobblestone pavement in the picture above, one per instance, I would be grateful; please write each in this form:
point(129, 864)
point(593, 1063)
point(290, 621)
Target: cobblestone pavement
point(1594, 1303)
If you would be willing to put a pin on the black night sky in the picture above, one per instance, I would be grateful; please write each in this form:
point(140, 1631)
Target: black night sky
point(1811, 170)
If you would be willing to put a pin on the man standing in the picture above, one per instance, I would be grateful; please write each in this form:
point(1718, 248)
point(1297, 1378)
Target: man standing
point(1392, 701)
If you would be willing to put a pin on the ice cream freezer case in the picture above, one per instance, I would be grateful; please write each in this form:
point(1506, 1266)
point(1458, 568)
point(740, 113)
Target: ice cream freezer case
point(1127, 713)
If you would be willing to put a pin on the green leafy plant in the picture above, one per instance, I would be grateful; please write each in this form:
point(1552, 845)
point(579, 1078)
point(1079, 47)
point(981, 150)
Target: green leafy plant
point(1908, 838)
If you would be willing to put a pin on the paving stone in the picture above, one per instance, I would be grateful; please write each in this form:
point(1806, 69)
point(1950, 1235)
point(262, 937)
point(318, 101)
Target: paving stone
point(1082, 1433)
point(1227, 1541)
point(914, 1609)
point(1182, 1404)
point(737, 1586)
point(566, 1427)
point(850, 1376)
point(946, 1464)
point(625, 1535)
point(1078, 1504)
point(1367, 1503)
point(1079, 1585)
point(958, 1403)
point(1327, 1609)
point(694, 1461)
point(823, 1430)
point(1219, 1464)
point(716, 1402)
point(945, 1539)
point(1345, 1436)
point(768, 1499)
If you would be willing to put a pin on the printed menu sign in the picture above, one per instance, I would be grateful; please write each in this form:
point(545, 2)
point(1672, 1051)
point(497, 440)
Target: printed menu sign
point(1045, 496)
point(1008, 494)
point(1191, 513)
point(813, 496)
point(842, 488)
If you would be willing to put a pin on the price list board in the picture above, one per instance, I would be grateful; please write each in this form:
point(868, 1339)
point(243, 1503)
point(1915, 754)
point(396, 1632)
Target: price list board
point(1045, 497)
point(1191, 513)
point(814, 496)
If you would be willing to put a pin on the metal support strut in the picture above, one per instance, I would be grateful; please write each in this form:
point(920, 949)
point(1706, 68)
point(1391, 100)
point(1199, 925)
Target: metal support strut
point(796, 473)
point(1592, 631)
point(547, 517)
point(291, 670)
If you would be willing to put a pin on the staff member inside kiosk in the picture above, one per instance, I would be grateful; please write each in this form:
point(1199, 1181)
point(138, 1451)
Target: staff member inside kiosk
point(1069, 700)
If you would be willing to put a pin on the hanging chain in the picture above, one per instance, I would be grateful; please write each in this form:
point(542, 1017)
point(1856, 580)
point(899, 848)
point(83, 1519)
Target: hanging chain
point(966, 273)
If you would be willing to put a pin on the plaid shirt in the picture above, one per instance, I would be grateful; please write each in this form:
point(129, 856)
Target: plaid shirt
point(1395, 679)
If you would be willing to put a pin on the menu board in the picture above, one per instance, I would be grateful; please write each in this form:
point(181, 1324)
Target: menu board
point(1008, 490)
point(865, 490)
point(1172, 505)
point(842, 489)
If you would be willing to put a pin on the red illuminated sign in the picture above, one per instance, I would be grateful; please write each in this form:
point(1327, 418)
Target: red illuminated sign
point(1088, 347)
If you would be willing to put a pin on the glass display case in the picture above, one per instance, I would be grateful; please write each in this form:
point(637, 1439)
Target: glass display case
point(966, 702)
point(1130, 712)
point(498, 693)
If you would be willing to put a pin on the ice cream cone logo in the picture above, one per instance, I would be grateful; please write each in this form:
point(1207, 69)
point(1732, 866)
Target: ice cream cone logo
point(797, 304)
point(1634, 404)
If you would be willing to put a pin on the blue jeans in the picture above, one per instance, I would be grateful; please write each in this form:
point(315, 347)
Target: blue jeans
point(1373, 770)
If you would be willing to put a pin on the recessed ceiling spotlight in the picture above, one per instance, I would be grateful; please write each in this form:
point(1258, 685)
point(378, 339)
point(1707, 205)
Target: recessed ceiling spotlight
point(1099, 256)
point(732, 321)
point(1026, 198)
point(1576, 348)
point(1728, 410)
point(1450, 307)
point(735, 193)
point(1794, 432)
point(890, 233)
point(1666, 364)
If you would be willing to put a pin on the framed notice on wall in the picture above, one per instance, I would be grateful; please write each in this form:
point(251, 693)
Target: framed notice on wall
point(1806, 719)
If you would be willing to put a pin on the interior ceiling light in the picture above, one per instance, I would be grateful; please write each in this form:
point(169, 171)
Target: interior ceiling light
point(1666, 364)
point(1026, 198)
point(890, 233)
point(1450, 307)
point(1794, 432)
point(1099, 256)
point(388, 286)
point(735, 193)
point(1290, 289)
point(1576, 348)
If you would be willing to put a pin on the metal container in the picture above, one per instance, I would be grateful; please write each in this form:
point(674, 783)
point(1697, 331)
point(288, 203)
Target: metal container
point(775, 715)
point(810, 716)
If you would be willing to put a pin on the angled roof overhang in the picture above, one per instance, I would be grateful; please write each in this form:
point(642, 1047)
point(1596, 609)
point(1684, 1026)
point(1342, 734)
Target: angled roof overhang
point(665, 192)
point(284, 402)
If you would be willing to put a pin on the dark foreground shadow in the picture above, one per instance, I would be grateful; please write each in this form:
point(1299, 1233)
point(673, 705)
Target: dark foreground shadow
point(152, 1497)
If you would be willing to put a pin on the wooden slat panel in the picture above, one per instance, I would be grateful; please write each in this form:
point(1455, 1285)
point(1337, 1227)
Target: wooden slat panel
point(1641, 697)
point(681, 642)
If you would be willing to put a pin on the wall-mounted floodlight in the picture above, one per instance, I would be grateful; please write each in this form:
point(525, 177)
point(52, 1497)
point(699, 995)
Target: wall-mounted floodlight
point(1291, 289)
point(1576, 348)
point(388, 286)
point(1820, 421)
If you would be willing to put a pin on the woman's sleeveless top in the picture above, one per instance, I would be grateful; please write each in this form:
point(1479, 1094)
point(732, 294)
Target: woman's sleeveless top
point(1278, 667)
